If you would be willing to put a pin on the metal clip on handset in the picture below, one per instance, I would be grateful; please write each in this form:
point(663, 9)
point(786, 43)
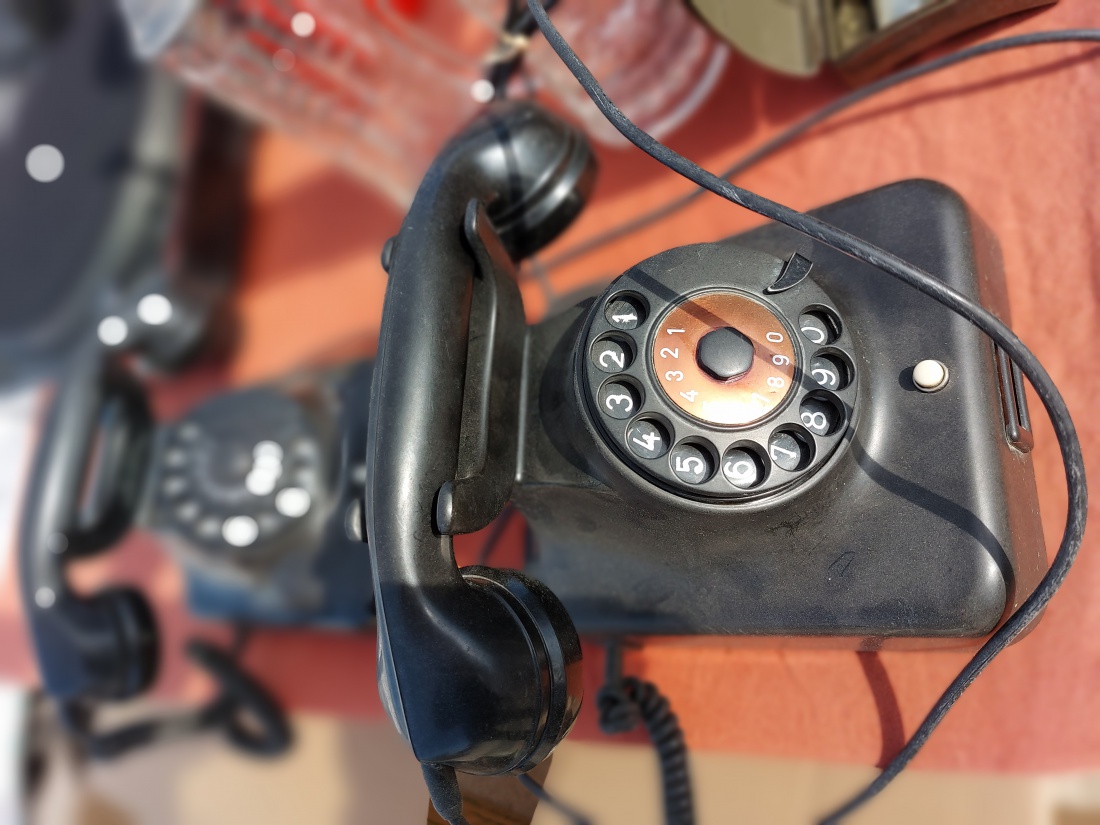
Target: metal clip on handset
point(479, 668)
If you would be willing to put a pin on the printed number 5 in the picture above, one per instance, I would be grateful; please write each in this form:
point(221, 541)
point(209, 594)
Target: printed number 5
point(691, 464)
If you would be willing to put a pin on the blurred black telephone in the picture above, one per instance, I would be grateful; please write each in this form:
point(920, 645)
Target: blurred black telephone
point(251, 490)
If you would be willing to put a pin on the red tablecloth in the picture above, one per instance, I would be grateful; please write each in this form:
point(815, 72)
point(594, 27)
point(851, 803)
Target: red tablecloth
point(1017, 134)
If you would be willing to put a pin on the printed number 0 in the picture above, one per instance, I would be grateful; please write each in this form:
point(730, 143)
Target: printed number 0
point(775, 337)
point(815, 334)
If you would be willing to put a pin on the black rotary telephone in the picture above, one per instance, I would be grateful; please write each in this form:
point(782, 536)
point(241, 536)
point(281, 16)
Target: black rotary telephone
point(759, 436)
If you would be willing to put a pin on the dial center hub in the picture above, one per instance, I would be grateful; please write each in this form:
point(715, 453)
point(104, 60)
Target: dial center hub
point(725, 353)
point(724, 358)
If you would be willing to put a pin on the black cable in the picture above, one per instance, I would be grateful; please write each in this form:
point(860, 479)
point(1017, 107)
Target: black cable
point(250, 717)
point(623, 702)
point(929, 285)
point(518, 25)
point(444, 792)
point(544, 795)
point(239, 695)
point(789, 134)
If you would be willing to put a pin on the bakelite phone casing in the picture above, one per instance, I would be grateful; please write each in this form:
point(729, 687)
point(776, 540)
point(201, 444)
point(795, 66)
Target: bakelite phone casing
point(922, 527)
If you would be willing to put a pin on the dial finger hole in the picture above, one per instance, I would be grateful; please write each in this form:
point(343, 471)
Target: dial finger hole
point(692, 462)
point(743, 467)
point(619, 399)
point(612, 354)
point(188, 511)
point(790, 450)
point(830, 371)
point(625, 311)
point(647, 438)
point(820, 414)
point(819, 325)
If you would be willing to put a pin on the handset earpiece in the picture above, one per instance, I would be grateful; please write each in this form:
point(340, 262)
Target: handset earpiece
point(104, 646)
point(480, 668)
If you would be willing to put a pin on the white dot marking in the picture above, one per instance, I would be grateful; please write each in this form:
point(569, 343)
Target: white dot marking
point(482, 91)
point(44, 597)
point(293, 502)
point(154, 310)
point(112, 330)
point(268, 449)
point(240, 531)
point(303, 24)
point(260, 482)
point(45, 163)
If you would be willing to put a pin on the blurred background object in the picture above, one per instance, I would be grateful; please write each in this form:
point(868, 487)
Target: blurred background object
point(652, 57)
point(256, 492)
point(115, 184)
point(19, 763)
point(360, 772)
point(379, 85)
point(863, 39)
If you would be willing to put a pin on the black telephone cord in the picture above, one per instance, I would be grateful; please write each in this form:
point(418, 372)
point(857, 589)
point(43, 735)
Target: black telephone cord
point(798, 129)
point(518, 26)
point(268, 734)
point(926, 283)
point(623, 702)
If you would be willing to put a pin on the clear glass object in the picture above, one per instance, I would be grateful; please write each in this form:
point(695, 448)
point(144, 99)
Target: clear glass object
point(652, 57)
point(379, 85)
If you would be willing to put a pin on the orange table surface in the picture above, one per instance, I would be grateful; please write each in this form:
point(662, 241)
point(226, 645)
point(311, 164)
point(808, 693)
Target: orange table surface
point(1017, 134)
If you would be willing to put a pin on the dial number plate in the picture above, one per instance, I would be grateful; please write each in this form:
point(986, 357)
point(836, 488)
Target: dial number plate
point(737, 402)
